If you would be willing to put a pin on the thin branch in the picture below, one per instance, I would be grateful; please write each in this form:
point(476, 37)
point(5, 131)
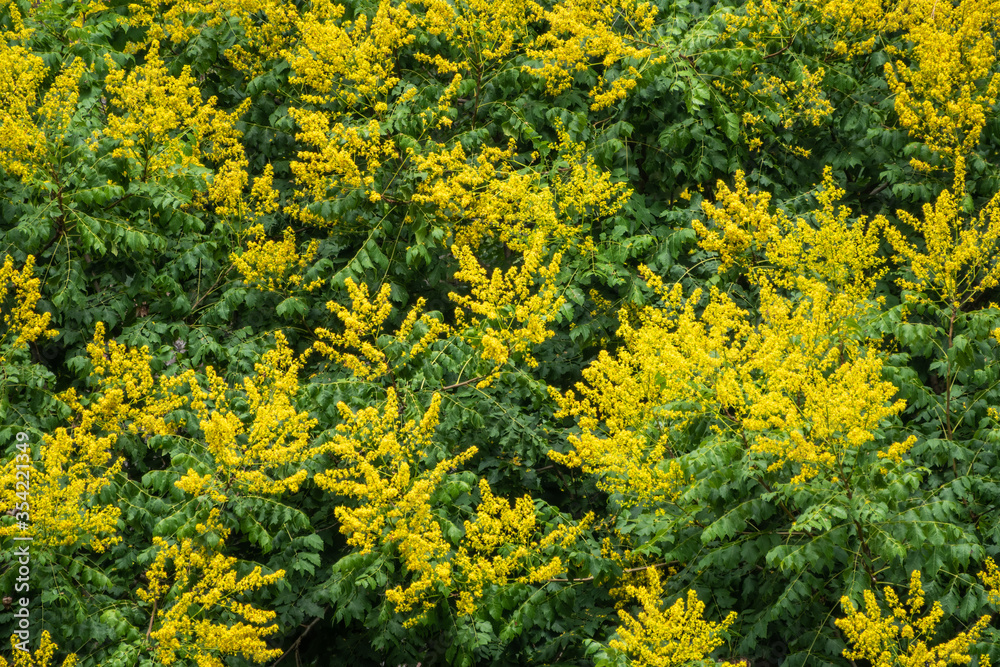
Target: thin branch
point(298, 641)
point(151, 617)
point(463, 383)
point(631, 569)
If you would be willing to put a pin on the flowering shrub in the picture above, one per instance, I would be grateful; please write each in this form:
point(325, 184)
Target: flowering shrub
point(531, 332)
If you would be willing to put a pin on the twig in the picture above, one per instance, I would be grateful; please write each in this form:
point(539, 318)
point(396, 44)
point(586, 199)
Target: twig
point(631, 569)
point(151, 617)
point(298, 641)
point(462, 384)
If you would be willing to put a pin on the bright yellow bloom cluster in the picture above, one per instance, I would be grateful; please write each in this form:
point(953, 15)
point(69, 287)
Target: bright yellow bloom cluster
point(32, 135)
point(42, 656)
point(902, 638)
point(581, 34)
point(484, 31)
point(991, 579)
point(253, 449)
point(275, 265)
point(960, 256)
point(767, 24)
point(500, 545)
point(802, 386)
point(490, 195)
point(204, 585)
point(178, 21)
point(770, 28)
point(359, 348)
point(341, 158)
point(18, 298)
point(509, 315)
point(838, 252)
point(351, 61)
point(76, 464)
point(945, 99)
point(20, 32)
point(163, 127)
point(671, 637)
point(384, 471)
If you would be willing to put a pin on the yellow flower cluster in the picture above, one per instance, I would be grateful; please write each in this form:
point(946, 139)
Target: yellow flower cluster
point(383, 470)
point(203, 585)
point(275, 265)
point(484, 31)
point(671, 637)
point(770, 28)
point(767, 24)
point(358, 348)
point(18, 298)
point(500, 546)
point(32, 134)
point(838, 252)
point(41, 657)
point(268, 27)
point(253, 449)
point(76, 464)
point(509, 315)
point(960, 253)
point(20, 32)
point(581, 34)
point(163, 128)
point(801, 99)
point(945, 98)
point(901, 639)
point(801, 387)
point(490, 196)
point(351, 61)
point(991, 579)
point(341, 158)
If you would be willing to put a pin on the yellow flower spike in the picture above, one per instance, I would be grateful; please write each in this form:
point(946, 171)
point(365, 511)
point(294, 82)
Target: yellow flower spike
point(32, 134)
point(76, 463)
point(488, 197)
point(253, 455)
point(991, 580)
point(384, 470)
point(509, 316)
point(841, 254)
point(801, 388)
point(671, 637)
point(944, 100)
point(41, 657)
point(205, 581)
point(903, 637)
point(163, 128)
point(500, 547)
point(582, 34)
point(275, 266)
point(22, 325)
point(961, 255)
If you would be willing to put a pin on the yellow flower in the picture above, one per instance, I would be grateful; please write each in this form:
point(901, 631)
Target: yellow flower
point(22, 325)
point(204, 585)
point(671, 637)
point(902, 639)
point(275, 265)
point(41, 657)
